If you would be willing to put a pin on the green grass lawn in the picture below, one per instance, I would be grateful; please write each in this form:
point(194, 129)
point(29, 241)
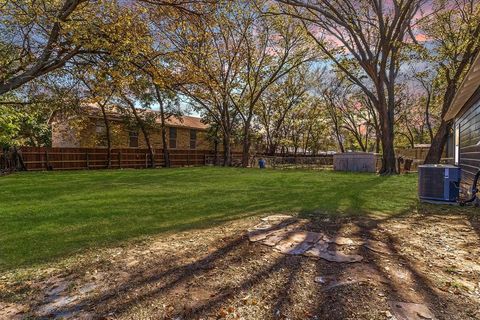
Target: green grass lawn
point(48, 215)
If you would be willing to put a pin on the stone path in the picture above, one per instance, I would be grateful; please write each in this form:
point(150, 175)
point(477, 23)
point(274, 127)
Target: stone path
point(285, 234)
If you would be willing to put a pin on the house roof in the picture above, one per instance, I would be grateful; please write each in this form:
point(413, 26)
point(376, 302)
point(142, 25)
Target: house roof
point(466, 90)
point(188, 122)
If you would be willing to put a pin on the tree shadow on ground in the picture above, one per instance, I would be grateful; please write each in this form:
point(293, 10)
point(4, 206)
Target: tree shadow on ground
point(240, 274)
point(156, 284)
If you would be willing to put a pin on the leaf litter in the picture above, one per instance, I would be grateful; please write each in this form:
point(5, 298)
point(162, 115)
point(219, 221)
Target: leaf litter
point(418, 266)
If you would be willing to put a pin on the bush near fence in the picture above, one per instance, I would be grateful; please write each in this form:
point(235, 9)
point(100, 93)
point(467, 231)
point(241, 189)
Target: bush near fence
point(418, 156)
point(298, 161)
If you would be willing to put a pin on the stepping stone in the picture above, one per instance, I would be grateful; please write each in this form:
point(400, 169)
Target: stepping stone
point(320, 250)
point(342, 241)
point(377, 246)
point(297, 242)
point(410, 311)
point(264, 230)
point(276, 217)
point(286, 240)
point(262, 226)
point(257, 235)
point(317, 249)
point(260, 232)
point(275, 237)
point(336, 256)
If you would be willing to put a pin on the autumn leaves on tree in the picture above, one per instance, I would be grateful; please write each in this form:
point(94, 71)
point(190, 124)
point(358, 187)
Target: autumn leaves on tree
point(272, 76)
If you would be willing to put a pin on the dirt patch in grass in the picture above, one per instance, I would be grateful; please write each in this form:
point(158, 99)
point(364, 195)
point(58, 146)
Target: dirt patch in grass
point(419, 266)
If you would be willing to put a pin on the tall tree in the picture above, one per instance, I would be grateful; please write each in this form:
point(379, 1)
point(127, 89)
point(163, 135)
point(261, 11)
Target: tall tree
point(209, 53)
point(130, 93)
point(277, 103)
point(99, 90)
point(155, 65)
point(169, 107)
point(331, 94)
point(452, 42)
point(366, 36)
point(273, 47)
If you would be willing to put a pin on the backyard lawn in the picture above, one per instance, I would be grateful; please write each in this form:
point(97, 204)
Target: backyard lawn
point(48, 215)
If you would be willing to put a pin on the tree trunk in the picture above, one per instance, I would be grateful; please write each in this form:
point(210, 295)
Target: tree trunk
point(215, 149)
point(427, 119)
point(166, 152)
point(272, 149)
point(388, 159)
point(387, 137)
point(246, 145)
point(245, 154)
point(441, 136)
point(268, 137)
point(307, 140)
point(358, 137)
point(145, 134)
point(227, 152)
point(107, 132)
point(17, 160)
point(340, 143)
point(438, 143)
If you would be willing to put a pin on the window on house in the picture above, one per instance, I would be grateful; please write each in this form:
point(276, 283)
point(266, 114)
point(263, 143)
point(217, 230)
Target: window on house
point(133, 139)
point(172, 138)
point(193, 139)
point(100, 126)
point(457, 143)
point(101, 133)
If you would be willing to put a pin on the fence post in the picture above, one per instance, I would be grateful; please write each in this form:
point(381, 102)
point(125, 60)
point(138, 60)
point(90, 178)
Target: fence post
point(47, 160)
point(61, 160)
point(119, 160)
point(87, 160)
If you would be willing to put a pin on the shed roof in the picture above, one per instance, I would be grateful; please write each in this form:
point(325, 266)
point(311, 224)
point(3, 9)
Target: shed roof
point(466, 90)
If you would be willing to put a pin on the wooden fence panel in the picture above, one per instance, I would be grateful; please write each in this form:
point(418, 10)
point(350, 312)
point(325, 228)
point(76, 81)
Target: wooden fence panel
point(41, 158)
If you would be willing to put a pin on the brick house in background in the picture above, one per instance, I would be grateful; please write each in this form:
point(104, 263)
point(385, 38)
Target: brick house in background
point(87, 130)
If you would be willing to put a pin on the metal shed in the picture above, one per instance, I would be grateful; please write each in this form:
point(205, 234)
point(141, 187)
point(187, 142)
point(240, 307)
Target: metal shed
point(355, 162)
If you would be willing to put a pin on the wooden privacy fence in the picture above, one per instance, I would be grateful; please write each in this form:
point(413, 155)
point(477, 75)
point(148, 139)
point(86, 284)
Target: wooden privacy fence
point(41, 158)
